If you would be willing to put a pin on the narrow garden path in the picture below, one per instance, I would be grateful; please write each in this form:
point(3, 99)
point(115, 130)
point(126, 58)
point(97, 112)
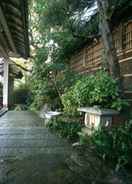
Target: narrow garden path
point(29, 152)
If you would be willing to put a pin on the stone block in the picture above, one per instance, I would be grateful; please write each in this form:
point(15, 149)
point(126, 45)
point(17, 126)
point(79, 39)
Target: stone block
point(96, 117)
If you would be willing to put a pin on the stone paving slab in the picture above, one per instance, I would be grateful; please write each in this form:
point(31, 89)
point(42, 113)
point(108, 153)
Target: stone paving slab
point(29, 152)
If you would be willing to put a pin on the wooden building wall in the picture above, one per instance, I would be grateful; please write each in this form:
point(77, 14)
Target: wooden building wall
point(90, 58)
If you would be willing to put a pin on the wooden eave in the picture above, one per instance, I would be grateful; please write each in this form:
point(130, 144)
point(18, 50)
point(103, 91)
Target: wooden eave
point(14, 27)
point(117, 18)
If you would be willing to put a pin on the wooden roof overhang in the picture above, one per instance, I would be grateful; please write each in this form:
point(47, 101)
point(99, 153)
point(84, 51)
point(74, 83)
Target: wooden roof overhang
point(14, 40)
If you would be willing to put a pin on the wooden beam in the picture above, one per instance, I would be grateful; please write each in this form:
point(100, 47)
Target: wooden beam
point(3, 42)
point(125, 59)
point(19, 35)
point(127, 75)
point(7, 31)
point(128, 91)
point(16, 20)
point(20, 40)
point(4, 53)
point(24, 4)
point(13, 2)
point(16, 28)
point(13, 9)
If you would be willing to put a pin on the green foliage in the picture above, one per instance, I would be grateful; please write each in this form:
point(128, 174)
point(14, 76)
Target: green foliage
point(60, 22)
point(65, 129)
point(48, 82)
point(84, 139)
point(114, 145)
point(50, 21)
point(99, 89)
point(69, 102)
point(21, 95)
point(58, 28)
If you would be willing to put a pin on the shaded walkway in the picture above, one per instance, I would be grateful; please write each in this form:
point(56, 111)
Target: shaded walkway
point(29, 153)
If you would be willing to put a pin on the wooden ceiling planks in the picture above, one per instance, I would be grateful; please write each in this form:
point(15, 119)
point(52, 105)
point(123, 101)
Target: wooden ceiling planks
point(7, 30)
point(14, 20)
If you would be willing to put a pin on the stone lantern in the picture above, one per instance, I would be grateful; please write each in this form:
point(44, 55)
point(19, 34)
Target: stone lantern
point(95, 117)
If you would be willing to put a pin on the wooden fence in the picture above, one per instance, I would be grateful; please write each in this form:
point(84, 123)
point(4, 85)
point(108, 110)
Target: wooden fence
point(90, 58)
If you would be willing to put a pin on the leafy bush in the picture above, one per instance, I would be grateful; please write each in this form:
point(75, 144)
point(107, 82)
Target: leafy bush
point(68, 130)
point(99, 89)
point(48, 82)
point(69, 102)
point(115, 144)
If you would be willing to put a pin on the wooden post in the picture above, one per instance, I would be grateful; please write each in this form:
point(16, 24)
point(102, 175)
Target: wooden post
point(6, 84)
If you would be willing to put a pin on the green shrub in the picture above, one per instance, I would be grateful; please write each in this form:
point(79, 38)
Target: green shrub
point(68, 130)
point(69, 102)
point(99, 89)
point(115, 145)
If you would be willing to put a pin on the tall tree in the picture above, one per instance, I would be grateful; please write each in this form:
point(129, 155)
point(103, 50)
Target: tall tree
point(67, 24)
point(110, 50)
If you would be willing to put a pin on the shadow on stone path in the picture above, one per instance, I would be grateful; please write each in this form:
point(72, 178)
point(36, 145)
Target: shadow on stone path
point(29, 153)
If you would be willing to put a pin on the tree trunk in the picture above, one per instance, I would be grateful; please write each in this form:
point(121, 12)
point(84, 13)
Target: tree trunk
point(111, 60)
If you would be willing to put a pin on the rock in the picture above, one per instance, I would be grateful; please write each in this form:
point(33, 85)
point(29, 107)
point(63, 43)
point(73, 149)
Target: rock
point(88, 166)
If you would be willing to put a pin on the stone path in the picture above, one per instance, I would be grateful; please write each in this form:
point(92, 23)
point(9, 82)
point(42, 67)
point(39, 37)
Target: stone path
point(29, 153)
